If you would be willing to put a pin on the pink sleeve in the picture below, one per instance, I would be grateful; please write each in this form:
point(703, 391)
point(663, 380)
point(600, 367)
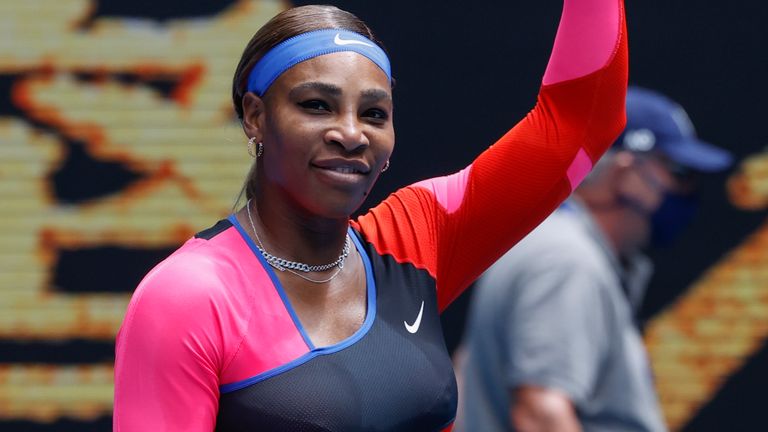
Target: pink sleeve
point(169, 353)
point(587, 39)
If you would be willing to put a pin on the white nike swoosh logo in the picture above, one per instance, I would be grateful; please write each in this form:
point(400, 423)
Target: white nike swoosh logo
point(339, 41)
point(413, 328)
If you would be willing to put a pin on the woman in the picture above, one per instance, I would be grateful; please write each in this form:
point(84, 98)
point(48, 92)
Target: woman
point(287, 316)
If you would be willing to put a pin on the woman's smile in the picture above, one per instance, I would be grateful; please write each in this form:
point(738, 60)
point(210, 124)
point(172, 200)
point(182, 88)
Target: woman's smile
point(341, 171)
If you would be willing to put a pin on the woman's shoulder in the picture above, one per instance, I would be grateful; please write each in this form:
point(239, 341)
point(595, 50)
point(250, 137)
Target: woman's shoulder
point(203, 271)
point(185, 279)
point(198, 300)
point(181, 310)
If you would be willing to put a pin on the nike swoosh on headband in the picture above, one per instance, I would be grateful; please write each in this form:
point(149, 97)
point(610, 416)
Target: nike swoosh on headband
point(309, 45)
point(339, 41)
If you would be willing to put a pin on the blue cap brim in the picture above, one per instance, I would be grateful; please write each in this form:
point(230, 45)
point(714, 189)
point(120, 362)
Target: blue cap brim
point(699, 155)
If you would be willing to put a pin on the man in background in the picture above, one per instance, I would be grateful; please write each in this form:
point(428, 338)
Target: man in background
point(551, 341)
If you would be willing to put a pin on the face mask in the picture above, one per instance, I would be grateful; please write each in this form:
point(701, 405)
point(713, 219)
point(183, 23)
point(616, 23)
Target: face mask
point(672, 217)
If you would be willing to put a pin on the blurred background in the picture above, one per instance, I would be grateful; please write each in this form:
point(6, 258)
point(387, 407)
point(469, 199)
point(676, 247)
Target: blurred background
point(118, 142)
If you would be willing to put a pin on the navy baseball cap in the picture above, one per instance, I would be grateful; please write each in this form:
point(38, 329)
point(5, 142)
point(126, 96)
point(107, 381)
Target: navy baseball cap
point(656, 123)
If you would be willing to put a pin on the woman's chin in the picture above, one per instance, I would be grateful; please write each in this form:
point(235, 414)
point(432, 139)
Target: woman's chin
point(335, 207)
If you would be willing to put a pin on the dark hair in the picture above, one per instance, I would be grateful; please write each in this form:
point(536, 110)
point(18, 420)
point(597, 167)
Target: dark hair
point(282, 26)
point(285, 25)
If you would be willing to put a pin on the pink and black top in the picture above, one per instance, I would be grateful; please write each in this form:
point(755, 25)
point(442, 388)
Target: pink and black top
point(210, 340)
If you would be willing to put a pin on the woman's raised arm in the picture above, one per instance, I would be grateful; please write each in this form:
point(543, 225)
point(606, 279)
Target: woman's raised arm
point(456, 226)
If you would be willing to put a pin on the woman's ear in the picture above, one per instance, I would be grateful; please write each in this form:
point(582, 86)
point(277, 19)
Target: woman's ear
point(253, 116)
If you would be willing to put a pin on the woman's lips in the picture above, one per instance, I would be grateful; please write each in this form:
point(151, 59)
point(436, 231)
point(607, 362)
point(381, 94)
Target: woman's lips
point(343, 165)
point(342, 172)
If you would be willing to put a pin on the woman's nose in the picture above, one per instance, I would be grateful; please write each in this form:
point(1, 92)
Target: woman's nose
point(348, 133)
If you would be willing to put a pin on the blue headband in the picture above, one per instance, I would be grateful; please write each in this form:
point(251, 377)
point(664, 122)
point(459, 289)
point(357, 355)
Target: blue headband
point(305, 46)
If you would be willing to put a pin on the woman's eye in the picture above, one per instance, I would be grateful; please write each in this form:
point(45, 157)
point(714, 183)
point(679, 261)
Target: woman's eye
point(376, 114)
point(314, 104)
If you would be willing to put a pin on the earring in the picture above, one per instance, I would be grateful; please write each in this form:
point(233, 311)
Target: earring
point(386, 166)
point(255, 150)
point(251, 147)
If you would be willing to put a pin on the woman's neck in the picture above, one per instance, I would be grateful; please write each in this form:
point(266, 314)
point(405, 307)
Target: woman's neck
point(295, 235)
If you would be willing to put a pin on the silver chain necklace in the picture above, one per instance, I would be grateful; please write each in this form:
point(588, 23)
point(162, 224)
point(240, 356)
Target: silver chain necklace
point(283, 264)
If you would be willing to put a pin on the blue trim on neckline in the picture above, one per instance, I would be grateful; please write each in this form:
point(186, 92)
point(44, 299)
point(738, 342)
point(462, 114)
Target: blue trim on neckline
point(275, 281)
point(314, 351)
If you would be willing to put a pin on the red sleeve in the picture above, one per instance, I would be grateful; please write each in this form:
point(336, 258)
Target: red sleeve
point(456, 226)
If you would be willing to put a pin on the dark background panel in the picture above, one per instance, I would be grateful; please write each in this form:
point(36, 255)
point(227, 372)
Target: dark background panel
point(159, 10)
point(740, 404)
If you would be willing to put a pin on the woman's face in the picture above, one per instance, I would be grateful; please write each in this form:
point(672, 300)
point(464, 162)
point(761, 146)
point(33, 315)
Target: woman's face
point(327, 130)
